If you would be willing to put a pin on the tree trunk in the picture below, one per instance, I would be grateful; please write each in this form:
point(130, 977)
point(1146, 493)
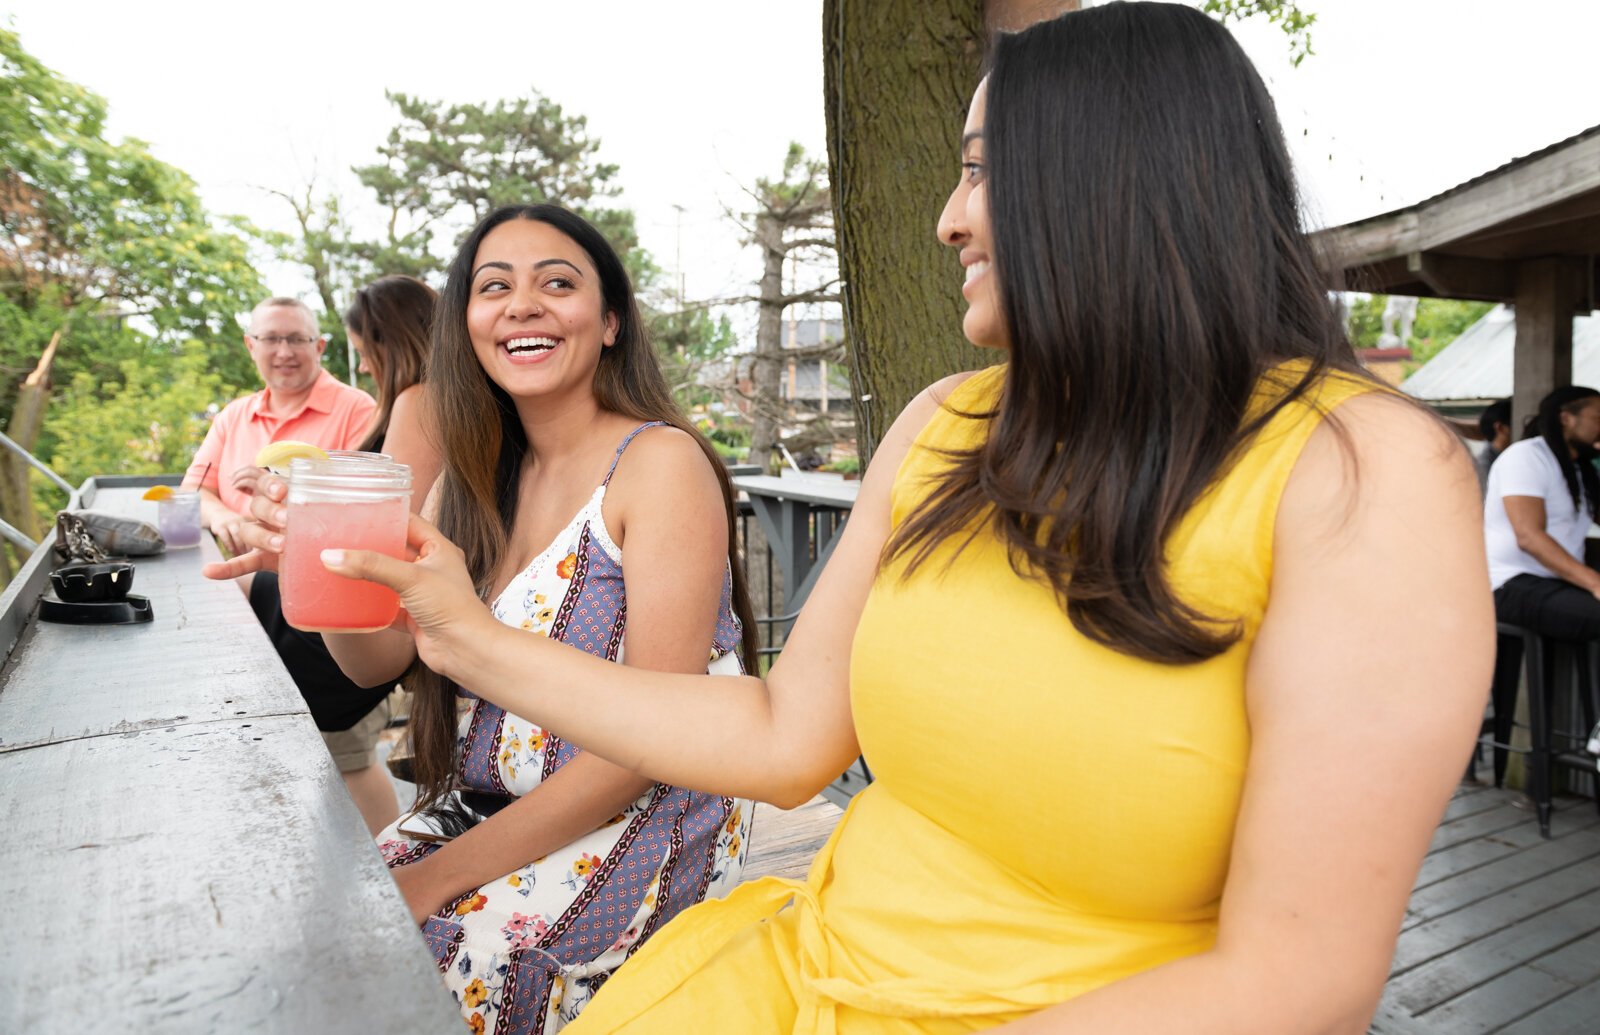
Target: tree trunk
point(898, 76)
point(1012, 15)
point(16, 499)
point(767, 363)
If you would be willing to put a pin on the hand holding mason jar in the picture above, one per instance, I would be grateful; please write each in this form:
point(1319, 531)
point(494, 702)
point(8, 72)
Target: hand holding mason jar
point(357, 501)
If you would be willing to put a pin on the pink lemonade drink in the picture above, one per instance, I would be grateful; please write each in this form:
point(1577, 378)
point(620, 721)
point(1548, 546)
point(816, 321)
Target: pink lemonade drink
point(348, 504)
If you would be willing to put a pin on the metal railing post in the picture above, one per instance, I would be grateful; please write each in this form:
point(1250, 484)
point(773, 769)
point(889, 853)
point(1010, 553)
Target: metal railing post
point(15, 536)
point(35, 462)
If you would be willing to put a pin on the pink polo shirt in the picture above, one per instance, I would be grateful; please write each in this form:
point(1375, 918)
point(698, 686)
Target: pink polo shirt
point(335, 416)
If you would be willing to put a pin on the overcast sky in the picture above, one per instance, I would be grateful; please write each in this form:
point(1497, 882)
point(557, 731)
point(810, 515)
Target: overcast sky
point(1402, 99)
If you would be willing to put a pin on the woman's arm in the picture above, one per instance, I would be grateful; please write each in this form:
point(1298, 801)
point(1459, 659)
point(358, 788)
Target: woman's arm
point(1527, 517)
point(780, 739)
point(408, 443)
point(1364, 688)
point(665, 511)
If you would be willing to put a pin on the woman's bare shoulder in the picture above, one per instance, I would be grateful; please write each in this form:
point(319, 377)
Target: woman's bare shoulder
point(1381, 455)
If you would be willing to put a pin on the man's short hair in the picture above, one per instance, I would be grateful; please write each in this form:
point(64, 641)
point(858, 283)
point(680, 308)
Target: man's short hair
point(1497, 412)
point(286, 301)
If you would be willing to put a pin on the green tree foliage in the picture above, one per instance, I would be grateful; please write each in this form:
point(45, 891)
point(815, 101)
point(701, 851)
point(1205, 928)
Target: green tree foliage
point(110, 246)
point(1287, 15)
point(91, 227)
point(326, 245)
point(444, 167)
point(690, 333)
point(1364, 320)
point(145, 421)
point(1439, 321)
point(689, 340)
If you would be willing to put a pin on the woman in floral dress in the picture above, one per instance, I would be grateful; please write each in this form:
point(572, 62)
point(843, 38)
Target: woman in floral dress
point(589, 512)
point(529, 948)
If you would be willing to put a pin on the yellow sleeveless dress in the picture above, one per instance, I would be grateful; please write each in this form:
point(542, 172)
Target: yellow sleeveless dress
point(1048, 816)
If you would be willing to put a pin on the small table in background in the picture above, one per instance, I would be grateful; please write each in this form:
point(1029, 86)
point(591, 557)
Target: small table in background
point(787, 508)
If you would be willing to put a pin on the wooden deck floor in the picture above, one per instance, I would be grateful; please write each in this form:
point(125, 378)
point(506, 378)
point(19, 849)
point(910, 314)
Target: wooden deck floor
point(1503, 930)
point(786, 842)
point(1502, 933)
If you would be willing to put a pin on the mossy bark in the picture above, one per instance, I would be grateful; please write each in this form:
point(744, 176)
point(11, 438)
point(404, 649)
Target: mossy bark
point(898, 76)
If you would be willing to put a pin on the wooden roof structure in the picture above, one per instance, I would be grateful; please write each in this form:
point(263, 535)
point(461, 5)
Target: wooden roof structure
point(1527, 234)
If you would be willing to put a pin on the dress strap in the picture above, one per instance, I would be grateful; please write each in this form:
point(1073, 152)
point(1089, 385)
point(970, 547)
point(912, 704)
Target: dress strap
point(613, 468)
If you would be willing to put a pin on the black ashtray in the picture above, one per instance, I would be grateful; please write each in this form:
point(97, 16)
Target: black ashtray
point(128, 611)
point(87, 583)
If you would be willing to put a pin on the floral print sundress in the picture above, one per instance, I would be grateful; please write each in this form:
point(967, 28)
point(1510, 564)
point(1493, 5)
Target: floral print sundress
point(524, 952)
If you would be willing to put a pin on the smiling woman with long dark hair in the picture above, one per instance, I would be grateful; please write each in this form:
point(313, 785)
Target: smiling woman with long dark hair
point(591, 514)
point(1114, 620)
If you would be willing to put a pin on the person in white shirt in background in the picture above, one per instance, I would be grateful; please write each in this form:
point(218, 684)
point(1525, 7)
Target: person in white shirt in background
point(1543, 494)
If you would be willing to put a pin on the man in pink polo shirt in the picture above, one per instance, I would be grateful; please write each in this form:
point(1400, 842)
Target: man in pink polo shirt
point(301, 401)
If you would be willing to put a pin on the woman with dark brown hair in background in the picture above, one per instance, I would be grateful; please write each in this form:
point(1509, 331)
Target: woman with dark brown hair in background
point(593, 515)
point(388, 322)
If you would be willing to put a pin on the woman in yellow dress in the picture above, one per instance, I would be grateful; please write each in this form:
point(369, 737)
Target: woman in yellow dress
point(1166, 637)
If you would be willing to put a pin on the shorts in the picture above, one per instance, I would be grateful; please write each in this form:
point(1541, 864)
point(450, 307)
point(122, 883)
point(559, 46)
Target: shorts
point(336, 702)
point(354, 749)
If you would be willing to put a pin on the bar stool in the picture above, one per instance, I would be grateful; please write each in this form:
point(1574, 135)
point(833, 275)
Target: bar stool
point(1549, 662)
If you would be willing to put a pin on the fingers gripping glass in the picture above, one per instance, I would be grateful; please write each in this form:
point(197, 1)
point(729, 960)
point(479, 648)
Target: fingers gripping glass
point(294, 341)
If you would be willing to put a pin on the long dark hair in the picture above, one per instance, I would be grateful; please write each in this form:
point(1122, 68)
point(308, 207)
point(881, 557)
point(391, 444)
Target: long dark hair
point(483, 444)
point(1151, 267)
point(393, 317)
point(1583, 483)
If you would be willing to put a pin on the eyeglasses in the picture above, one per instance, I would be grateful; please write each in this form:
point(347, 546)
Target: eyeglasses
point(295, 341)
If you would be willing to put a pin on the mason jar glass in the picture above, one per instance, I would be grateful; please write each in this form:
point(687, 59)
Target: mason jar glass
point(347, 503)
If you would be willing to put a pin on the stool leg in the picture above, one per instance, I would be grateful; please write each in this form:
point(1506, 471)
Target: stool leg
point(1541, 687)
point(1588, 665)
point(1503, 693)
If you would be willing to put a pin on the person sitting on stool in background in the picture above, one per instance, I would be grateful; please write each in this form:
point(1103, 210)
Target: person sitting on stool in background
point(1494, 423)
point(1543, 494)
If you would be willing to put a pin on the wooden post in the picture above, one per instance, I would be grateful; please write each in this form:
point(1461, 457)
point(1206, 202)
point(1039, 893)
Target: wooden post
point(1546, 294)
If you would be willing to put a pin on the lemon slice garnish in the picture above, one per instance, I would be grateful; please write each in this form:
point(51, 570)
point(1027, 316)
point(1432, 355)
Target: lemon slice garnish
point(276, 456)
point(157, 492)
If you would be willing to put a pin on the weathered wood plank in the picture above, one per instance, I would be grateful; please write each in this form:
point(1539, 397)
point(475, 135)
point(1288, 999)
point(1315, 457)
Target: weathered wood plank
point(1503, 816)
point(1485, 959)
point(182, 853)
point(1577, 962)
point(1577, 1013)
point(203, 658)
point(1467, 855)
point(1541, 183)
point(1442, 935)
point(1465, 889)
point(1470, 798)
point(785, 843)
point(201, 877)
point(1504, 198)
point(1493, 1005)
